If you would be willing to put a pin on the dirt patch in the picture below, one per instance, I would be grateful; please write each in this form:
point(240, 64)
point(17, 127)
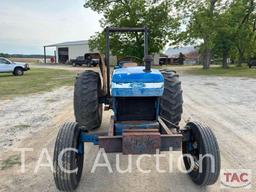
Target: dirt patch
point(210, 84)
point(27, 60)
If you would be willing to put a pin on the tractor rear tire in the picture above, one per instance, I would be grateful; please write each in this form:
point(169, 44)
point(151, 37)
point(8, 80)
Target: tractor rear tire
point(68, 169)
point(88, 111)
point(171, 102)
point(201, 141)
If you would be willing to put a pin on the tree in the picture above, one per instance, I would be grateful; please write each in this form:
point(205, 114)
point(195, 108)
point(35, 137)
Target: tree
point(223, 28)
point(199, 17)
point(248, 25)
point(181, 58)
point(222, 45)
point(225, 36)
point(242, 18)
point(4, 55)
point(154, 14)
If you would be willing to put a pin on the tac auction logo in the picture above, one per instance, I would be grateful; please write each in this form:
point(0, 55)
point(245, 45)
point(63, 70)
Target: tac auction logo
point(236, 178)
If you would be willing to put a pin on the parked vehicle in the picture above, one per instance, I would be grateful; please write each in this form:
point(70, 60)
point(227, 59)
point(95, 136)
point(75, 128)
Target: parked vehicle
point(252, 63)
point(16, 68)
point(85, 60)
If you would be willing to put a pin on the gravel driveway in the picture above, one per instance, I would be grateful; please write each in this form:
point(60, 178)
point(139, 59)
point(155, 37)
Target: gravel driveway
point(23, 116)
point(227, 105)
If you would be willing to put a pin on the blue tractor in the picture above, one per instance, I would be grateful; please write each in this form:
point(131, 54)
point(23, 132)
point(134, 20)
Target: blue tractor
point(147, 108)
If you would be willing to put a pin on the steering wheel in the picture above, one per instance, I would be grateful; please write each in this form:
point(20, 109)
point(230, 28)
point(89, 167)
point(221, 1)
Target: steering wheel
point(130, 59)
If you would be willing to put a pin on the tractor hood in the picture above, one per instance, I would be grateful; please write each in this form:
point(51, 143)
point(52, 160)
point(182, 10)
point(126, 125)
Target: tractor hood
point(135, 82)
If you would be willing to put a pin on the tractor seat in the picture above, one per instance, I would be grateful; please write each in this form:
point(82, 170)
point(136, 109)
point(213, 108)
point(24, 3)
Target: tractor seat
point(131, 64)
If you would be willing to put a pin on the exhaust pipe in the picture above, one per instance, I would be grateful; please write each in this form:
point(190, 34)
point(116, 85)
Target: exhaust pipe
point(148, 59)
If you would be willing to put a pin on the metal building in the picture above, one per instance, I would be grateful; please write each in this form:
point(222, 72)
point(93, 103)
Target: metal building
point(68, 50)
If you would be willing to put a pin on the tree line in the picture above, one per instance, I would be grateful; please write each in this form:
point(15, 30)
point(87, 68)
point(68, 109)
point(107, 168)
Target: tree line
point(223, 29)
point(6, 55)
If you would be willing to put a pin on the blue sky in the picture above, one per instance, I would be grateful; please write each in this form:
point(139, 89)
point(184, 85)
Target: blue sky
point(27, 25)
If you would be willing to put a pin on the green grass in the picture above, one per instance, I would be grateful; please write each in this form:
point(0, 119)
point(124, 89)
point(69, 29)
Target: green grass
point(34, 81)
point(232, 71)
point(10, 162)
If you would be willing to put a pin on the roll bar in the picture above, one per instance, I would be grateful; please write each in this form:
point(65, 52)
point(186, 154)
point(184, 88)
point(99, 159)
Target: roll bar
point(109, 30)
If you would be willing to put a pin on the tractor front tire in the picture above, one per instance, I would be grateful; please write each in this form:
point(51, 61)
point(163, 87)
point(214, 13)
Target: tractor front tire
point(171, 102)
point(201, 146)
point(67, 161)
point(88, 111)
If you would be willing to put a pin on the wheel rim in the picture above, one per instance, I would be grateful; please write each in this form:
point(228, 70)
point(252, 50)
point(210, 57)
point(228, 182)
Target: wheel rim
point(78, 160)
point(193, 148)
point(79, 157)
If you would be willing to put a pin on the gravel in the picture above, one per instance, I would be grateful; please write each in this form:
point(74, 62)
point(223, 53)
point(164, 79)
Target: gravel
point(23, 116)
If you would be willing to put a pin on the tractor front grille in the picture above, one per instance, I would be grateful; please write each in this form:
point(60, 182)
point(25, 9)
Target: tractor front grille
point(136, 108)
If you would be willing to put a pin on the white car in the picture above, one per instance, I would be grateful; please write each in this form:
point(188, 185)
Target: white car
point(16, 68)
